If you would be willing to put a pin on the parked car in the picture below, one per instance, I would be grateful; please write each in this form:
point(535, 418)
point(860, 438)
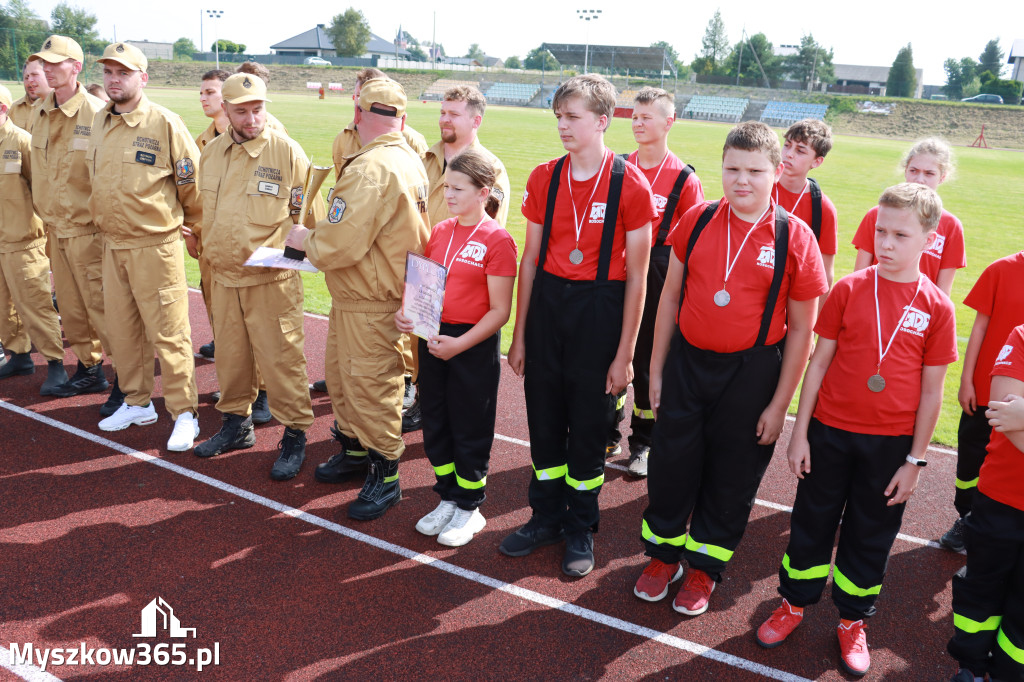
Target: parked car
point(317, 61)
point(984, 98)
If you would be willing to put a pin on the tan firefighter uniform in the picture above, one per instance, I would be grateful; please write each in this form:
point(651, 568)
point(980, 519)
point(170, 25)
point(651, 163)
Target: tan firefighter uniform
point(250, 193)
point(23, 113)
point(24, 267)
point(143, 165)
point(434, 163)
point(375, 214)
point(61, 188)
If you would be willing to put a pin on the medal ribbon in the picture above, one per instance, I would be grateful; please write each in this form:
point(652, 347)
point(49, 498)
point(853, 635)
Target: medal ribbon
point(878, 320)
point(448, 265)
point(802, 192)
point(728, 242)
point(579, 223)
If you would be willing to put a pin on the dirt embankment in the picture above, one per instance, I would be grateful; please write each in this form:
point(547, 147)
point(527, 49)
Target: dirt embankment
point(958, 123)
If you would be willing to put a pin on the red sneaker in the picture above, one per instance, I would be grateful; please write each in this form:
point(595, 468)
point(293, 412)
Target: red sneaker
point(653, 582)
point(693, 595)
point(853, 647)
point(779, 625)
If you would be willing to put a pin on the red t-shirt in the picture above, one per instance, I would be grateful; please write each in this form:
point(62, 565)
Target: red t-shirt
point(947, 251)
point(636, 209)
point(926, 337)
point(735, 327)
point(490, 251)
point(828, 241)
point(1002, 474)
point(662, 181)
point(998, 293)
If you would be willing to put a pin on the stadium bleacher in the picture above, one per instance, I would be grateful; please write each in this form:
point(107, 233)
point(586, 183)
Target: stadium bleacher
point(787, 113)
point(716, 108)
point(512, 93)
point(436, 90)
point(626, 97)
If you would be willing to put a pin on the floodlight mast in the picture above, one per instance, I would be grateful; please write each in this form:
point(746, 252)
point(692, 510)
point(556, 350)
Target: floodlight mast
point(587, 15)
point(215, 14)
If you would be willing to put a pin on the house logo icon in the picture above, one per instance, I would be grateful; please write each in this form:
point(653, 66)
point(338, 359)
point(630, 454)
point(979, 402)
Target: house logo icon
point(158, 615)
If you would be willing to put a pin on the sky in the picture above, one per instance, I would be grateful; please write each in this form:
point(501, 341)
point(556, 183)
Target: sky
point(868, 32)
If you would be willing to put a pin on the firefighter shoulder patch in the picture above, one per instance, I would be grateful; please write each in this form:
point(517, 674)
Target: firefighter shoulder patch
point(336, 211)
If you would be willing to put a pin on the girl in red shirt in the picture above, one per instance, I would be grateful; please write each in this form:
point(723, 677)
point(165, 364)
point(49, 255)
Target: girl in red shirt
point(459, 368)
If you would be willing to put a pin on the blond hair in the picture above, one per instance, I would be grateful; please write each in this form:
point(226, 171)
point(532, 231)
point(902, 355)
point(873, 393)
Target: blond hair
point(922, 200)
point(665, 100)
point(938, 148)
point(474, 99)
point(754, 136)
point(812, 132)
point(597, 93)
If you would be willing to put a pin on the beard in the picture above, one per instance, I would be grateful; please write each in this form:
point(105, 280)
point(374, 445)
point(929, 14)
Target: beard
point(448, 135)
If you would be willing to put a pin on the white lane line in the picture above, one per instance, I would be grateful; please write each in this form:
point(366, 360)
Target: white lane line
point(441, 565)
point(25, 672)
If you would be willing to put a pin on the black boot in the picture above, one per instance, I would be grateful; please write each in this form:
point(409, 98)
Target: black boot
point(350, 461)
point(293, 454)
point(20, 364)
point(412, 419)
point(114, 400)
point(261, 409)
point(85, 380)
point(319, 386)
point(56, 376)
point(235, 434)
point(380, 491)
point(208, 350)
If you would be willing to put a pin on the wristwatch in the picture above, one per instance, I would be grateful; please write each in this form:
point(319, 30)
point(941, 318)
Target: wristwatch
point(916, 461)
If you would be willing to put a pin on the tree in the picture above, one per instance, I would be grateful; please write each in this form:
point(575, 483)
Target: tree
point(540, 59)
point(350, 32)
point(76, 22)
point(476, 53)
point(227, 46)
point(416, 53)
point(671, 56)
point(715, 44)
point(21, 34)
point(902, 80)
point(991, 58)
point(811, 64)
point(960, 76)
point(513, 63)
point(184, 48)
point(746, 56)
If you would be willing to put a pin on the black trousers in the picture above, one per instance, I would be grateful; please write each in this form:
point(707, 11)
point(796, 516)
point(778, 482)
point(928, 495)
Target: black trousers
point(849, 475)
point(458, 399)
point(706, 460)
point(572, 335)
point(642, 422)
point(972, 438)
point(988, 593)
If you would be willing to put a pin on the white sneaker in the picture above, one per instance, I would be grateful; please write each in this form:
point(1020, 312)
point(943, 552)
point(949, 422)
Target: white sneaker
point(434, 522)
point(186, 430)
point(461, 529)
point(127, 415)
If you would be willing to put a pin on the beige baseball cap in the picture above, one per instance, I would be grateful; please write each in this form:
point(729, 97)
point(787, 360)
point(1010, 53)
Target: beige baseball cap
point(382, 91)
point(125, 54)
point(59, 48)
point(243, 87)
point(5, 97)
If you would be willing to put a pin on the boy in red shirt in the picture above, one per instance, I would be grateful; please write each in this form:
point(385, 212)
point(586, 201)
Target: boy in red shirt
point(998, 296)
point(868, 407)
point(676, 188)
point(748, 277)
point(807, 143)
point(988, 593)
point(581, 293)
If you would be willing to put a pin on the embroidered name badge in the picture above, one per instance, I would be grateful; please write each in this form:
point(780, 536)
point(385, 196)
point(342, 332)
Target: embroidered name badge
point(265, 187)
point(146, 158)
point(337, 210)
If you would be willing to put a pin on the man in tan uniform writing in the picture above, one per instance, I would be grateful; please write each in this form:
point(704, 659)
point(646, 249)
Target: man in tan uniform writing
point(143, 161)
point(23, 112)
point(375, 214)
point(61, 188)
point(24, 267)
point(250, 179)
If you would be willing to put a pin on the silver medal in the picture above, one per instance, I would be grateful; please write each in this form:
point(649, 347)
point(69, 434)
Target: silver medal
point(722, 298)
point(876, 382)
point(575, 256)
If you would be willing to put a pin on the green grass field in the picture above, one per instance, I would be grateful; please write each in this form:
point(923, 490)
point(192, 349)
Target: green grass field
point(853, 176)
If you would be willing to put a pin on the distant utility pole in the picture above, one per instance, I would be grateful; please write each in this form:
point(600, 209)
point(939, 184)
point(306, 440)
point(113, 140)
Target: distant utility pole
point(215, 14)
point(587, 15)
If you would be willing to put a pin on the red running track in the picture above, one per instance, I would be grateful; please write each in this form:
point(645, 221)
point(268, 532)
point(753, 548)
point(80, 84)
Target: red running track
point(95, 526)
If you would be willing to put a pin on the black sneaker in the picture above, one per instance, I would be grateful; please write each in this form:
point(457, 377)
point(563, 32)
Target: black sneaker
point(319, 386)
point(412, 419)
point(114, 401)
point(964, 675)
point(953, 538)
point(410, 393)
point(350, 461)
point(207, 350)
point(85, 380)
point(533, 535)
point(579, 554)
point(293, 454)
point(236, 433)
point(261, 409)
point(56, 376)
point(20, 364)
point(215, 397)
point(381, 490)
